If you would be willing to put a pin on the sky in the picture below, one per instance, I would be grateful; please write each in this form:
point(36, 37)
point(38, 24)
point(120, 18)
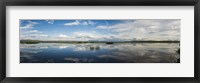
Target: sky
point(101, 30)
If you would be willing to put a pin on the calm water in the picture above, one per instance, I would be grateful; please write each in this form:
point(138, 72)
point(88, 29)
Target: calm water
point(99, 53)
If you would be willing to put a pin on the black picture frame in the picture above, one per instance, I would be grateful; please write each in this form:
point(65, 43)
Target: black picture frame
point(4, 3)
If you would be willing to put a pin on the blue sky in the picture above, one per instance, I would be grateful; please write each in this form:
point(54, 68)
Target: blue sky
point(102, 30)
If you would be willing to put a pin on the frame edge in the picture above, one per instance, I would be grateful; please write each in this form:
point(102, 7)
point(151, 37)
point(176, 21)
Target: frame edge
point(197, 39)
point(3, 41)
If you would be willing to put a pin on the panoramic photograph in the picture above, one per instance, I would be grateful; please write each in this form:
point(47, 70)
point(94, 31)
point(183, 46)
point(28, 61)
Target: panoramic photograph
point(99, 40)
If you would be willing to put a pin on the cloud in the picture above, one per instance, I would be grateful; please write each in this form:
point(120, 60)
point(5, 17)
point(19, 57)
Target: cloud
point(152, 29)
point(84, 36)
point(146, 29)
point(94, 36)
point(29, 31)
point(103, 27)
point(34, 31)
point(29, 25)
point(43, 35)
point(62, 36)
point(90, 22)
point(72, 23)
point(58, 37)
point(50, 21)
point(79, 22)
point(34, 36)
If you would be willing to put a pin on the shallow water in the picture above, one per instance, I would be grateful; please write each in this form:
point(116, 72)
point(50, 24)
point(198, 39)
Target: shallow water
point(99, 53)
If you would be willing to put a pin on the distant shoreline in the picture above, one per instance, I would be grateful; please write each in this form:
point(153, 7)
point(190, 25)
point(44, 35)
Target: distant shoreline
point(107, 42)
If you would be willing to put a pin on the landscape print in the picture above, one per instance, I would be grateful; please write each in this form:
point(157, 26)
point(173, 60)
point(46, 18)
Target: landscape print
point(100, 40)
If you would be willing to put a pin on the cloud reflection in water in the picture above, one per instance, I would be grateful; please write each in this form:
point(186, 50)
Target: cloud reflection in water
point(99, 53)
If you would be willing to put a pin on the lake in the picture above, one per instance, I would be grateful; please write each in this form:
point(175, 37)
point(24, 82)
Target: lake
point(100, 53)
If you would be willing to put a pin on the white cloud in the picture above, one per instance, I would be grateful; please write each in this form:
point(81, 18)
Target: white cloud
point(91, 22)
point(79, 22)
point(29, 25)
point(76, 36)
point(43, 35)
point(50, 21)
point(84, 36)
point(29, 31)
point(72, 23)
point(128, 30)
point(103, 27)
point(62, 36)
point(34, 31)
point(35, 36)
point(146, 30)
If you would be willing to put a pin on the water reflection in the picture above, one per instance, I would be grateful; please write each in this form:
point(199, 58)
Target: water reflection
point(100, 53)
